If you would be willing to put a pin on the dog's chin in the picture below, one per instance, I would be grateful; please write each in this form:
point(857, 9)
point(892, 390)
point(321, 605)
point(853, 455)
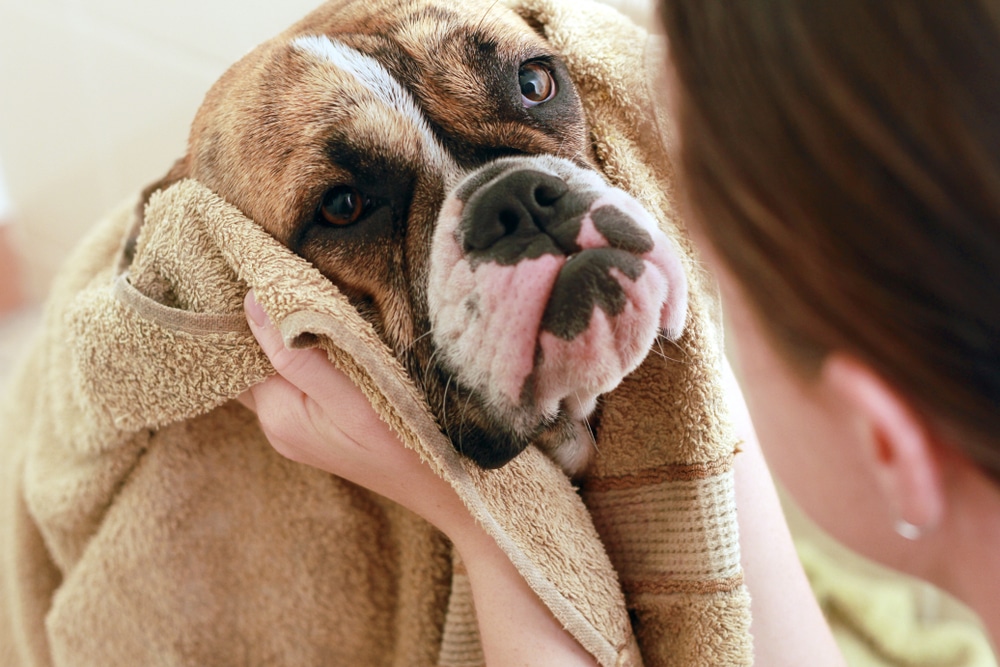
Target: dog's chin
point(493, 438)
point(488, 433)
point(489, 446)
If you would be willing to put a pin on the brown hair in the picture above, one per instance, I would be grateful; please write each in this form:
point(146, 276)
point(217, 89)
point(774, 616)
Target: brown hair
point(843, 157)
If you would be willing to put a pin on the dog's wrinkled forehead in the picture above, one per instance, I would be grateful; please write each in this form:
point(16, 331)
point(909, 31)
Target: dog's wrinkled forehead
point(407, 93)
point(380, 98)
point(450, 70)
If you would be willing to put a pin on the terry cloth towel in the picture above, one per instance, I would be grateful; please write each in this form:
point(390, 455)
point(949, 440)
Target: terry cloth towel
point(889, 620)
point(144, 520)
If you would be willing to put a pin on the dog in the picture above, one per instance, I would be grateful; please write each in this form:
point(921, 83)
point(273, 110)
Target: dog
point(432, 159)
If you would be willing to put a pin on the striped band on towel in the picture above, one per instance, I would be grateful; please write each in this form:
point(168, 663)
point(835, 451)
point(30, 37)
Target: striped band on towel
point(672, 529)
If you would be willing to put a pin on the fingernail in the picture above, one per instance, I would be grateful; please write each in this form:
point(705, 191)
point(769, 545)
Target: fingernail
point(253, 309)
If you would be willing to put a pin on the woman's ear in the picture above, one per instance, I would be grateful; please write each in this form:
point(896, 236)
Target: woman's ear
point(899, 442)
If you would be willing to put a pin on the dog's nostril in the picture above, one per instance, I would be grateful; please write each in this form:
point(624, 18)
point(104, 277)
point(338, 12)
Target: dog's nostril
point(510, 220)
point(510, 212)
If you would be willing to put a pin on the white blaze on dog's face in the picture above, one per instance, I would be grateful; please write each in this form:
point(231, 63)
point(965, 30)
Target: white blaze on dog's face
point(432, 160)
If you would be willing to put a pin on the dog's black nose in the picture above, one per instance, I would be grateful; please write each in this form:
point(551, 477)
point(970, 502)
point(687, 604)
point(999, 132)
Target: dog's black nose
point(523, 214)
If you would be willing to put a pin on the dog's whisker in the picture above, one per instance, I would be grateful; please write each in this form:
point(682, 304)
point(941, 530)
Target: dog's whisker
point(660, 352)
point(659, 346)
point(465, 408)
point(586, 422)
point(590, 428)
point(684, 352)
point(409, 348)
point(461, 422)
point(489, 9)
point(429, 367)
point(444, 408)
point(663, 354)
point(593, 435)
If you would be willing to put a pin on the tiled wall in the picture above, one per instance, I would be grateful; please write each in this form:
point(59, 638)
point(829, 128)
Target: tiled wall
point(96, 97)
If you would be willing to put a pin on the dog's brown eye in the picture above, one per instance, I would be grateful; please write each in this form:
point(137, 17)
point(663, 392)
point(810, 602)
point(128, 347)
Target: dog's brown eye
point(343, 205)
point(537, 84)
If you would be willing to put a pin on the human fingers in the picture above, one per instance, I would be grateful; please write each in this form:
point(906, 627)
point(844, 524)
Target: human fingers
point(246, 398)
point(327, 398)
point(308, 369)
point(313, 414)
point(297, 428)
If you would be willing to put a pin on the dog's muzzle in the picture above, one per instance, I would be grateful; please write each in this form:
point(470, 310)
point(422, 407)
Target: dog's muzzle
point(547, 287)
point(526, 213)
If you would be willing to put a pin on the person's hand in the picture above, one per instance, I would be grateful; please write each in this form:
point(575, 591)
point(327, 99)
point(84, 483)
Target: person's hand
point(312, 413)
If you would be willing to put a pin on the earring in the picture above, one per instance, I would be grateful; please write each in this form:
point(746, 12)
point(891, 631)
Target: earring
point(908, 530)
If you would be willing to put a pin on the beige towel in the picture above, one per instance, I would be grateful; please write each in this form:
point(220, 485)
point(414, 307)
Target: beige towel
point(886, 619)
point(661, 493)
point(144, 519)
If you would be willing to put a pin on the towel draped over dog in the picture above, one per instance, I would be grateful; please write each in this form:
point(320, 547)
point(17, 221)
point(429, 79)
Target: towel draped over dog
point(145, 520)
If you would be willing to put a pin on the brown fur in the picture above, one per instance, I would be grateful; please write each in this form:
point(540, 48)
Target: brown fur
point(264, 135)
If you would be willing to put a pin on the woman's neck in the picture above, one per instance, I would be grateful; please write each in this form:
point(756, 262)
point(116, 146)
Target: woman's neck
point(968, 547)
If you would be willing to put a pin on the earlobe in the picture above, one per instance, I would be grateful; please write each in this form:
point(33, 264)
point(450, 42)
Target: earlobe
point(899, 441)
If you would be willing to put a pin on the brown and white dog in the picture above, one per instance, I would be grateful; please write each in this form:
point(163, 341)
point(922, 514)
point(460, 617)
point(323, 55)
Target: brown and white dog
point(432, 160)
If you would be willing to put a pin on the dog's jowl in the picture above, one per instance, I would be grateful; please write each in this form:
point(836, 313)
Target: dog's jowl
point(436, 168)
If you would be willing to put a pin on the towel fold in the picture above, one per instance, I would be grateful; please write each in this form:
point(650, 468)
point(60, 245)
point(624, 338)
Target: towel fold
point(144, 519)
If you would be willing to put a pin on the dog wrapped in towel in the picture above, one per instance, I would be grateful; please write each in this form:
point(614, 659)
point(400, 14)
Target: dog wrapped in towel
point(144, 518)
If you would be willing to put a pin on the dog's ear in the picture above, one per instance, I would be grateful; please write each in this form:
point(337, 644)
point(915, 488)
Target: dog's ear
point(536, 25)
point(533, 20)
point(179, 171)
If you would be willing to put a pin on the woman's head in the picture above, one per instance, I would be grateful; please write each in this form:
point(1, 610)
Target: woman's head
point(843, 158)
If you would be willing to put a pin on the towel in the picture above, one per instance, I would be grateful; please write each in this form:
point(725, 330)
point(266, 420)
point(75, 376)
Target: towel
point(144, 519)
point(883, 621)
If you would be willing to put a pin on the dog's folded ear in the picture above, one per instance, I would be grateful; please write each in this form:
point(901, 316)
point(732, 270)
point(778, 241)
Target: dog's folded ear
point(534, 23)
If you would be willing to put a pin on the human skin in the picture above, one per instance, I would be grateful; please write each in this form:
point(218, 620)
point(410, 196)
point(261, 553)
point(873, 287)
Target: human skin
point(889, 447)
point(858, 457)
point(313, 414)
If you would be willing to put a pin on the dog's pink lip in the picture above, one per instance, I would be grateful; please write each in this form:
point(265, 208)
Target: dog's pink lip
point(505, 342)
point(526, 354)
point(516, 306)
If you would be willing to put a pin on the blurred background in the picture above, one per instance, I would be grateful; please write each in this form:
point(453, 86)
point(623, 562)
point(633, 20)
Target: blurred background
point(95, 100)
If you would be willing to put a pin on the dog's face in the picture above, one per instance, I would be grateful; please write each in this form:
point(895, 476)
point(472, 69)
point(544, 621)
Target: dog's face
point(432, 159)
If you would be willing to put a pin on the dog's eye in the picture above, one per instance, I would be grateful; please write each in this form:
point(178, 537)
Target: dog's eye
point(537, 83)
point(343, 205)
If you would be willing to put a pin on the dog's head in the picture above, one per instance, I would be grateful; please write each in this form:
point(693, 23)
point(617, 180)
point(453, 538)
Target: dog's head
point(432, 159)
